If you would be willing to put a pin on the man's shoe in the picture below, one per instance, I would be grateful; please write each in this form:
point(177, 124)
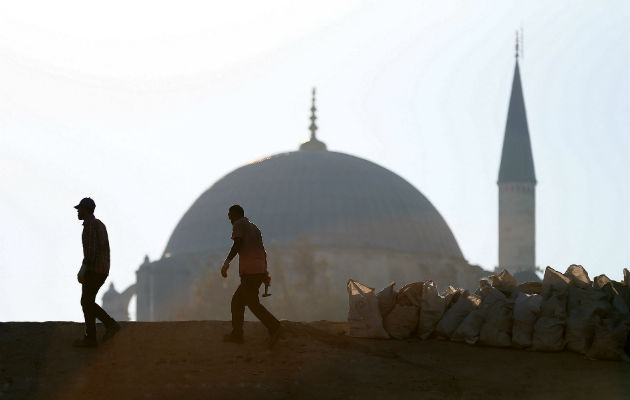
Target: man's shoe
point(232, 338)
point(84, 342)
point(274, 336)
point(110, 332)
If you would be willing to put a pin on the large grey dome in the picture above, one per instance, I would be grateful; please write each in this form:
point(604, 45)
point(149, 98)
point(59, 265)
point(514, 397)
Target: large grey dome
point(335, 199)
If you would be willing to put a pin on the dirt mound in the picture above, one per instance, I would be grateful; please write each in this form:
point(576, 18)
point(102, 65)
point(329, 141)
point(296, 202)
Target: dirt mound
point(175, 360)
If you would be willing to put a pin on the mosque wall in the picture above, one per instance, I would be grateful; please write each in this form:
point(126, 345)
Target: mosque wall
point(307, 284)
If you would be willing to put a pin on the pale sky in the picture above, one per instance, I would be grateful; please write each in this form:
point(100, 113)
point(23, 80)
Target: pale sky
point(143, 105)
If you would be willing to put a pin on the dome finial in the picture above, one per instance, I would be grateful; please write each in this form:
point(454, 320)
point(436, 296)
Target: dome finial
point(313, 143)
point(313, 127)
point(516, 46)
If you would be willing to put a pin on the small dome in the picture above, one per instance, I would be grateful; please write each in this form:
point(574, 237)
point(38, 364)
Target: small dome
point(334, 199)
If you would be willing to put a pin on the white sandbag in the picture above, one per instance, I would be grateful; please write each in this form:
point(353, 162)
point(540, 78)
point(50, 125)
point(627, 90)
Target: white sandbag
point(618, 295)
point(454, 316)
point(580, 330)
point(484, 283)
point(621, 305)
point(530, 287)
point(468, 330)
point(504, 282)
point(584, 307)
point(410, 294)
point(582, 298)
point(470, 327)
point(490, 295)
point(526, 311)
point(600, 281)
point(578, 276)
point(402, 321)
point(553, 281)
point(548, 334)
point(497, 328)
point(451, 295)
point(555, 306)
point(386, 299)
point(364, 318)
point(609, 339)
point(431, 310)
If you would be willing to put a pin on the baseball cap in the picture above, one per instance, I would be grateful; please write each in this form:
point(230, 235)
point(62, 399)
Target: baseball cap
point(87, 203)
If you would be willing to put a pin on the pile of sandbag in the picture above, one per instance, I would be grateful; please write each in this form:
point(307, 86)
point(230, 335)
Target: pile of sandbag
point(563, 311)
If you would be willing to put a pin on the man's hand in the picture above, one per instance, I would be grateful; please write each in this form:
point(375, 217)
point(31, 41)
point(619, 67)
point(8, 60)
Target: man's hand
point(224, 269)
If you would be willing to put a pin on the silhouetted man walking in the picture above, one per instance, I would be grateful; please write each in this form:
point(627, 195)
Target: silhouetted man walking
point(92, 275)
point(252, 268)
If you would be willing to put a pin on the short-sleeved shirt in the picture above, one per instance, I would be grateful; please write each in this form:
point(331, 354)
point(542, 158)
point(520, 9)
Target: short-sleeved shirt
point(252, 258)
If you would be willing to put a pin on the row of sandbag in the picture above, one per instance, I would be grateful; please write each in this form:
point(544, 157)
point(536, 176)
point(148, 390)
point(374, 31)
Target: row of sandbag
point(565, 310)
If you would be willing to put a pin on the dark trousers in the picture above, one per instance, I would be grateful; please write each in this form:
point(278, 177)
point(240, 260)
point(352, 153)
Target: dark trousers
point(247, 295)
point(91, 284)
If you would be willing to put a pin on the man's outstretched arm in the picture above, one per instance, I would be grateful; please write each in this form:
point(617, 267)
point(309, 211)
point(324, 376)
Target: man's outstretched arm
point(236, 247)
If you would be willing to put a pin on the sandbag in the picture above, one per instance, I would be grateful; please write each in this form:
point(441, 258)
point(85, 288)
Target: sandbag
point(451, 295)
point(620, 302)
point(600, 281)
point(581, 298)
point(580, 330)
point(364, 318)
point(410, 295)
point(530, 287)
point(470, 327)
point(402, 321)
point(618, 295)
point(497, 328)
point(609, 339)
point(583, 307)
point(553, 281)
point(468, 330)
point(555, 306)
point(578, 276)
point(548, 334)
point(526, 311)
point(454, 316)
point(504, 282)
point(431, 310)
point(484, 283)
point(490, 295)
point(386, 299)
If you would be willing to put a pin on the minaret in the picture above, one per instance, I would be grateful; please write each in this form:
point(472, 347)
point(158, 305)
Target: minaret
point(313, 143)
point(517, 188)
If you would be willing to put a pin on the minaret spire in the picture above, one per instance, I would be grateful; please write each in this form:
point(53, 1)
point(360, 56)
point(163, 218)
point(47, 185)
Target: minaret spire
point(313, 143)
point(517, 163)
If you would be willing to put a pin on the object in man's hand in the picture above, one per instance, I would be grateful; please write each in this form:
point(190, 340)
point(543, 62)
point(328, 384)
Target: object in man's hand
point(267, 282)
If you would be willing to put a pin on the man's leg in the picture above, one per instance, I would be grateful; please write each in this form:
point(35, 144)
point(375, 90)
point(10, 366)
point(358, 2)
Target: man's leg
point(89, 288)
point(252, 285)
point(91, 310)
point(98, 312)
point(238, 311)
point(102, 316)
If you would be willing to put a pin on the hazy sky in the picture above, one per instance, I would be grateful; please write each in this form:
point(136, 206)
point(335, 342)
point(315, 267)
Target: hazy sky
point(144, 104)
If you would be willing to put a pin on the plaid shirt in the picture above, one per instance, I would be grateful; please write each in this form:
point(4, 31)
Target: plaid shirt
point(95, 246)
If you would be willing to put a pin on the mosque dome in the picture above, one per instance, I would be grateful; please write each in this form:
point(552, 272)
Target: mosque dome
point(334, 199)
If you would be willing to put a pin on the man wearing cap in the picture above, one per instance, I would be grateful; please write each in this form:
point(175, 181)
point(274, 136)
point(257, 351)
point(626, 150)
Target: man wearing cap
point(252, 268)
point(92, 275)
